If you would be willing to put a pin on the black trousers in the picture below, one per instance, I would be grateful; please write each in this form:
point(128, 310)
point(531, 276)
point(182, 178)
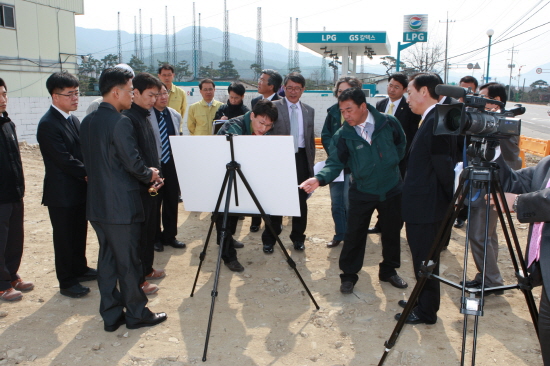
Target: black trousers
point(11, 242)
point(229, 253)
point(148, 232)
point(168, 203)
point(70, 229)
point(119, 263)
point(421, 239)
point(544, 327)
point(299, 223)
point(361, 207)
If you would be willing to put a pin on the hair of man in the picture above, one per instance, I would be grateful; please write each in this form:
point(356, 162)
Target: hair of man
point(166, 67)
point(352, 81)
point(427, 79)
point(144, 81)
point(206, 81)
point(495, 90)
point(113, 77)
point(3, 83)
point(356, 95)
point(469, 80)
point(60, 80)
point(296, 77)
point(400, 78)
point(267, 109)
point(275, 79)
point(237, 88)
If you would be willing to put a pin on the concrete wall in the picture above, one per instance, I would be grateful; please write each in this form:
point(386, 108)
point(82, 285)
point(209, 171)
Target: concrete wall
point(25, 112)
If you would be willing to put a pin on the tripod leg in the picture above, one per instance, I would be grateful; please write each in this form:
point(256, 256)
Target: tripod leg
point(214, 293)
point(214, 214)
point(269, 225)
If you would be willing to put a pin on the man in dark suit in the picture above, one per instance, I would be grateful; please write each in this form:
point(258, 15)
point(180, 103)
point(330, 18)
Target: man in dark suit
point(530, 200)
point(65, 184)
point(268, 85)
point(427, 191)
point(296, 119)
point(115, 172)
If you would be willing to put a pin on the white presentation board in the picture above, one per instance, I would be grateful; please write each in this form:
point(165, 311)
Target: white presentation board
point(267, 162)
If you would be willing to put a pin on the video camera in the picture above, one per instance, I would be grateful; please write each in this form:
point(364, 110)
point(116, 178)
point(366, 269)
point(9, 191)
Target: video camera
point(471, 118)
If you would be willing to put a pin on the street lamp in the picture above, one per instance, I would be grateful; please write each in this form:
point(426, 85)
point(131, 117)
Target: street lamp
point(490, 33)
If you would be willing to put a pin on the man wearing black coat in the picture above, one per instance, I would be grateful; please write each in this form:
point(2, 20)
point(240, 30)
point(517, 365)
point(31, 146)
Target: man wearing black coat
point(427, 190)
point(115, 171)
point(64, 190)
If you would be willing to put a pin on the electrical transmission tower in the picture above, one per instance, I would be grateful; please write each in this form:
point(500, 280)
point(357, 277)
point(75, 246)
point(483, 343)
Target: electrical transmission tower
point(296, 53)
point(167, 37)
point(200, 44)
point(259, 44)
point(290, 44)
point(324, 66)
point(119, 44)
point(174, 52)
point(225, 32)
point(195, 64)
point(140, 38)
point(136, 54)
point(151, 53)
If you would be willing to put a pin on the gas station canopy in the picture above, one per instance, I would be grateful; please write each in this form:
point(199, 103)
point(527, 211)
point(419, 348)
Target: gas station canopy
point(346, 45)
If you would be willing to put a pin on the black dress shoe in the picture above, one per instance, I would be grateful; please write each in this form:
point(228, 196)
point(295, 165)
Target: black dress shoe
point(90, 275)
point(75, 291)
point(373, 230)
point(120, 321)
point(158, 246)
point(347, 287)
point(268, 248)
point(176, 244)
point(402, 303)
point(413, 319)
point(237, 244)
point(153, 319)
point(254, 228)
point(234, 266)
point(396, 281)
point(299, 245)
point(333, 243)
point(472, 284)
point(458, 223)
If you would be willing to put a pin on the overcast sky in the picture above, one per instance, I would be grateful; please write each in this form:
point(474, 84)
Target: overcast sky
point(471, 19)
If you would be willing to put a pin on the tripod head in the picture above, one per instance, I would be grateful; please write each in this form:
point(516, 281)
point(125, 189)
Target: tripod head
point(482, 150)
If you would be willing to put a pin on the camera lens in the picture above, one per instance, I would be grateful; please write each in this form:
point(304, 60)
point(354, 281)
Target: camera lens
point(452, 120)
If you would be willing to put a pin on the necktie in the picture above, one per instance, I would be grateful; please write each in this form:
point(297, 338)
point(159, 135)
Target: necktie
point(362, 131)
point(534, 244)
point(420, 123)
point(72, 125)
point(294, 129)
point(390, 111)
point(165, 143)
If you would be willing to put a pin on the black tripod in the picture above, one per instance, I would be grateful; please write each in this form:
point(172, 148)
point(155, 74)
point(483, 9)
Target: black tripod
point(229, 183)
point(481, 175)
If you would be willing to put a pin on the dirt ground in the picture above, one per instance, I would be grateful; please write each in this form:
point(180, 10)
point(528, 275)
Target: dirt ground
point(262, 316)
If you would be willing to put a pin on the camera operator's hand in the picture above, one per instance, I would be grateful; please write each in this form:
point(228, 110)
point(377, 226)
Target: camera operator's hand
point(309, 185)
point(510, 199)
point(155, 176)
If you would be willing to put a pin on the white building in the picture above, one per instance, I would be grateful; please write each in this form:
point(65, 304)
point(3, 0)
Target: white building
point(37, 38)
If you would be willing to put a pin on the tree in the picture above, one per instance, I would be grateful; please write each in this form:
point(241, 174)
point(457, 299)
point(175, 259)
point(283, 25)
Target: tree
point(208, 72)
point(257, 68)
point(390, 63)
point(426, 57)
point(182, 70)
point(137, 64)
point(227, 70)
point(315, 78)
point(110, 60)
point(539, 84)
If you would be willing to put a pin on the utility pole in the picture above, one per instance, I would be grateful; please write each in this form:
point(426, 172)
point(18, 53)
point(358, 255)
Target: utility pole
point(151, 52)
point(135, 38)
point(195, 66)
point(140, 38)
point(446, 44)
point(324, 66)
point(166, 37)
point(225, 32)
point(174, 51)
point(296, 52)
point(290, 44)
point(259, 43)
point(119, 44)
point(511, 66)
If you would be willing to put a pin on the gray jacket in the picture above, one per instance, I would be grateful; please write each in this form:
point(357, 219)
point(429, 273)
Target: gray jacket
point(176, 119)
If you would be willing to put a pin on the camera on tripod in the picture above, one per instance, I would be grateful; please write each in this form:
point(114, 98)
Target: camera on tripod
point(471, 118)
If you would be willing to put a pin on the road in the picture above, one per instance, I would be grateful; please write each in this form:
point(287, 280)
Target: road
point(535, 122)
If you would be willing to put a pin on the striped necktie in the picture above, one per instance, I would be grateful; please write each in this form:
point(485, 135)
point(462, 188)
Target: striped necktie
point(165, 143)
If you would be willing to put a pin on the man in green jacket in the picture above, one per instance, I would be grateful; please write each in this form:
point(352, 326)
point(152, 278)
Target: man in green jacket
point(258, 122)
point(371, 144)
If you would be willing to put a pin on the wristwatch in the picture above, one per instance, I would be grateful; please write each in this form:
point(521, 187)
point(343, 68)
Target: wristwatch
point(515, 205)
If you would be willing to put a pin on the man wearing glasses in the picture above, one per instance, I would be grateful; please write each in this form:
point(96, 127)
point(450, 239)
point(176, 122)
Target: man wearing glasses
point(65, 184)
point(201, 114)
point(295, 119)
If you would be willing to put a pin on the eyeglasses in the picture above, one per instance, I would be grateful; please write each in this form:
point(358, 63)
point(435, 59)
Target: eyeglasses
point(71, 95)
point(264, 123)
point(293, 88)
point(163, 94)
point(129, 91)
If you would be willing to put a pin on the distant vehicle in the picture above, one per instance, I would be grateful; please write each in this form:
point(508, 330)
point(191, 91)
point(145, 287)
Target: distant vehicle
point(381, 96)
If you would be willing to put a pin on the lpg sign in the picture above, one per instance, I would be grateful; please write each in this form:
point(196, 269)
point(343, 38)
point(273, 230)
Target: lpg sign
point(415, 28)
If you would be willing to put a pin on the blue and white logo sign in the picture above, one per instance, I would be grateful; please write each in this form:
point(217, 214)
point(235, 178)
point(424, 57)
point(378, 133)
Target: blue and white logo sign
point(415, 22)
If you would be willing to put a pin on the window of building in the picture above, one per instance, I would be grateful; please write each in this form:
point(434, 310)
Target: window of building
point(7, 16)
